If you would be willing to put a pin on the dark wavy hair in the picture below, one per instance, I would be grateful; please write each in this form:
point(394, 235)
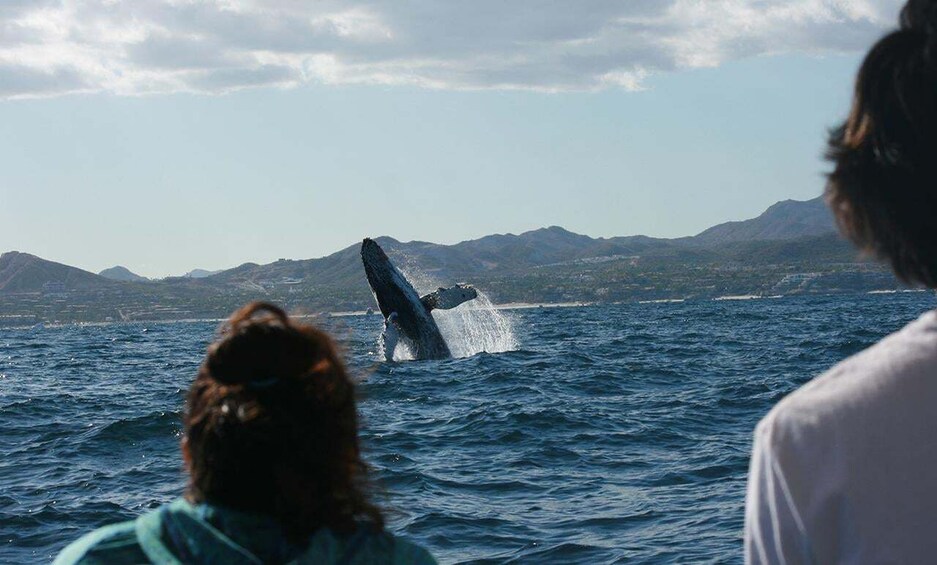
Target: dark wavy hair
point(883, 188)
point(271, 427)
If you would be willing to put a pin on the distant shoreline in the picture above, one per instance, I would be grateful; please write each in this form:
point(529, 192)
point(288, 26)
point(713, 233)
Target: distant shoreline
point(505, 306)
point(318, 315)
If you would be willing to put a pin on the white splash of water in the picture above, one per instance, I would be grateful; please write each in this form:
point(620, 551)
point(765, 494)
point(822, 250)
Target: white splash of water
point(476, 326)
point(403, 351)
point(470, 328)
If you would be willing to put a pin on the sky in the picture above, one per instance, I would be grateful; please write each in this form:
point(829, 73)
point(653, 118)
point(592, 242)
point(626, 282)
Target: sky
point(167, 135)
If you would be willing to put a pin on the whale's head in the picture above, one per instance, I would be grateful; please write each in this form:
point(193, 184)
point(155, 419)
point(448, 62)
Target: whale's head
point(453, 296)
point(372, 255)
point(391, 289)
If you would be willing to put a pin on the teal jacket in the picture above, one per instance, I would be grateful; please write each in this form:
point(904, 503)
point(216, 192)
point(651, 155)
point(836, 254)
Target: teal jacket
point(181, 532)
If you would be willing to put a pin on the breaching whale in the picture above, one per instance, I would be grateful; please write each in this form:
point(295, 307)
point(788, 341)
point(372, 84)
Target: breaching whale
point(413, 319)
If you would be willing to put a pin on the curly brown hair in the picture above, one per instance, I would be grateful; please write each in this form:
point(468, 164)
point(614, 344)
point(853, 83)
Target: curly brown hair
point(271, 427)
point(883, 189)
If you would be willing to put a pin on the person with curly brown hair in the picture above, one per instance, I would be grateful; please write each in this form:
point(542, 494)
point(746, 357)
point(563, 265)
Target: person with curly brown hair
point(273, 458)
point(842, 470)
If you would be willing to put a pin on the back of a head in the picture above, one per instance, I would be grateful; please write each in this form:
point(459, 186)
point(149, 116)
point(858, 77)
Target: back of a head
point(883, 189)
point(271, 426)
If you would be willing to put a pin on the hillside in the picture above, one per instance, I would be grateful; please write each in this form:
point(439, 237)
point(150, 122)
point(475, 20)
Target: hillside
point(789, 219)
point(554, 245)
point(119, 273)
point(22, 272)
point(199, 274)
point(790, 248)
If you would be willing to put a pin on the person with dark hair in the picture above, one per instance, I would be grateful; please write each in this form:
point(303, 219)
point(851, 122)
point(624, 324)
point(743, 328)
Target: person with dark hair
point(843, 469)
point(273, 458)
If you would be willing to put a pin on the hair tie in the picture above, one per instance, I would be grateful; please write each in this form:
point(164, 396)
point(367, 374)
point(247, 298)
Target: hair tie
point(262, 384)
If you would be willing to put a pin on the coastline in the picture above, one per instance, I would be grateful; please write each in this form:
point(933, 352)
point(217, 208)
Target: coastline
point(39, 325)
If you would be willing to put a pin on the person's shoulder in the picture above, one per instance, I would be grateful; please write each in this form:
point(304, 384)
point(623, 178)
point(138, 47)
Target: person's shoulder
point(876, 378)
point(365, 546)
point(408, 552)
point(116, 543)
point(384, 547)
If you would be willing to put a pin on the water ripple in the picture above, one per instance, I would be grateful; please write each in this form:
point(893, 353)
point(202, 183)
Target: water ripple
point(610, 434)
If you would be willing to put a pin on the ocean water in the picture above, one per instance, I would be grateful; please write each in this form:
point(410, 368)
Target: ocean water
point(603, 434)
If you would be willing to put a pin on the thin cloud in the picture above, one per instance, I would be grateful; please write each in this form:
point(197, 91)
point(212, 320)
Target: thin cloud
point(163, 46)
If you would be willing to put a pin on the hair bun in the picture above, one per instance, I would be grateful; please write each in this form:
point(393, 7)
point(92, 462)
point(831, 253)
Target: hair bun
point(258, 348)
point(919, 16)
point(230, 362)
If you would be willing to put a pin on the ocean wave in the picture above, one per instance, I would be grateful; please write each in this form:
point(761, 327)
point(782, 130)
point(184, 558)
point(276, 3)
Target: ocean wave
point(615, 433)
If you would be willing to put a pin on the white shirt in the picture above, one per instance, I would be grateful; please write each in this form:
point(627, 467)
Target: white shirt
point(844, 470)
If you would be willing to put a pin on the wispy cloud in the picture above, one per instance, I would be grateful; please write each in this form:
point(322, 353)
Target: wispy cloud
point(214, 46)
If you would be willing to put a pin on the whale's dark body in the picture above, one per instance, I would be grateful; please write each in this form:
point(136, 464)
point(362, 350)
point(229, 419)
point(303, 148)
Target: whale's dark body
point(394, 293)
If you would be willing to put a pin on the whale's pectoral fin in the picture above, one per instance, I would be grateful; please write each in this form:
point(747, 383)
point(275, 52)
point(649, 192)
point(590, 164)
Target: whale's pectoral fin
point(390, 336)
point(448, 298)
point(430, 301)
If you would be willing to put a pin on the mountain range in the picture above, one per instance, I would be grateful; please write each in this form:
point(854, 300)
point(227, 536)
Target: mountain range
point(551, 246)
point(788, 219)
point(120, 273)
point(791, 247)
